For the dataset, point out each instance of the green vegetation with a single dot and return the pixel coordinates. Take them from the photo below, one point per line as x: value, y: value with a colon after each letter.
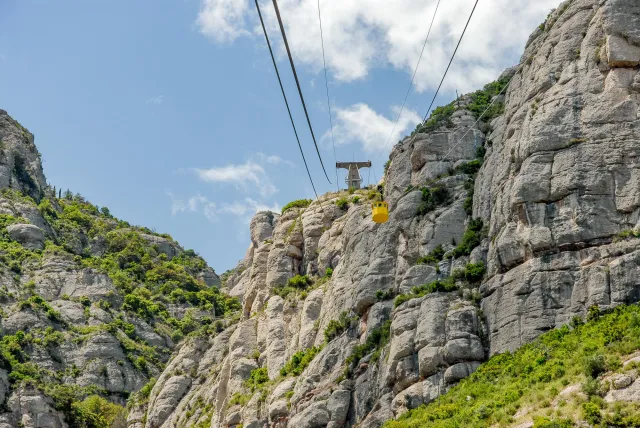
x: 533, y: 376
x: 481, y: 100
x: 444, y: 285
x: 147, y: 282
x: 342, y: 203
x: 387, y: 164
x: 375, y: 343
x: 300, y: 203
x: 336, y: 327
x: 257, y: 378
x: 472, y: 272
x: 440, y: 116
x: 384, y: 295
x: 299, y: 361
x: 433, y: 257
x: 472, y: 237
x: 626, y: 234
x: 432, y: 198
x: 295, y: 285
x: 239, y: 399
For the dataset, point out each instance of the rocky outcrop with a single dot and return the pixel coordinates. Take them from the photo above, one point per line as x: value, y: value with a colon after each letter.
x: 556, y: 188
x: 559, y: 181
x: 20, y: 161
x: 30, y: 236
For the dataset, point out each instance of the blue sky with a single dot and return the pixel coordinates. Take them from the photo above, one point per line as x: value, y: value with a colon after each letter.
x: 168, y: 111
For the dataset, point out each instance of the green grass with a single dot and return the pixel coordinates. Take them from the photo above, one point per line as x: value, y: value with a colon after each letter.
x: 300, y: 203
x: 533, y: 375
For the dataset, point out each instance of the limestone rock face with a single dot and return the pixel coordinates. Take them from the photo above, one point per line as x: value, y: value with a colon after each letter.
x: 30, y: 236
x: 559, y: 181
x: 20, y: 162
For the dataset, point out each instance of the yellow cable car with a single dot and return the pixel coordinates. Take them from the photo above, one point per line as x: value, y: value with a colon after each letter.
x: 380, y: 211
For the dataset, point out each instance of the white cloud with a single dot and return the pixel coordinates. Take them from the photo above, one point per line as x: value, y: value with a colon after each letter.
x: 361, y: 124
x: 223, y: 20
x: 245, y: 177
x: 360, y: 35
x: 241, y: 210
x: 274, y: 159
x: 157, y: 100
x: 194, y: 204
x: 248, y: 206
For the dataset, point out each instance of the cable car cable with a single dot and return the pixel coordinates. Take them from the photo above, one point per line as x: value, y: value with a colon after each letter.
x: 326, y: 84
x: 446, y: 71
x: 450, y: 62
x: 495, y: 98
x: 411, y: 83
x: 295, y: 75
x: 285, y: 96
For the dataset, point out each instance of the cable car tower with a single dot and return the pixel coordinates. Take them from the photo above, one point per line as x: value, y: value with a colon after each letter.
x: 354, y: 179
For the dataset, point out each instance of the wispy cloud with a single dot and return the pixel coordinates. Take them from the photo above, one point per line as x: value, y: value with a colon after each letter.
x: 157, y: 100
x: 248, y: 206
x: 246, y: 177
x: 223, y: 20
x: 242, y: 210
x: 194, y: 204
x: 273, y: 159
x: 359, y: 123
x: 362, y: 35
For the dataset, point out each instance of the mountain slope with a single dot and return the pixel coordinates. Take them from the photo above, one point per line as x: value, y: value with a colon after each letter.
x: 91, y: 306
x: 499, y: 231
x: 587, y: 374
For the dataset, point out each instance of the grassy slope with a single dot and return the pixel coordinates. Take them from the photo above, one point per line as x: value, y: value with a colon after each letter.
x: 531, y: 378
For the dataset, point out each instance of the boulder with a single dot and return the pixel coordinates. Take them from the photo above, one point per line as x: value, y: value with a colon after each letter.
x: 31, y: 237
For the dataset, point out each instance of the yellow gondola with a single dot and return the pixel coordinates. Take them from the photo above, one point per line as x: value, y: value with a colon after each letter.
x: 380, y: 212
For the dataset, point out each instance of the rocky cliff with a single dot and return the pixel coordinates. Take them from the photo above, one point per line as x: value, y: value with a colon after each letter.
x: 514, y: 210
x: 92, y: 307
x: 495, y: 236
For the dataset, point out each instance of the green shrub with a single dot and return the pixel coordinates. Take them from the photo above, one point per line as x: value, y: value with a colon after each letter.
x: 384, y: 295
x: 591, y: 412
x: 445, y: 285
x: 472, y: 272
x: 542, y: 422
x: 471, y: 238
x: 342, y: 203
x: 257, y: 378
x: 239, y: 399
x: 625, y: 235
x: 377, y: 339
x: 432, y: 198
x: 594, y: 365
x: 299, y: 281
x: 328, y: 272
x: 336, y: 327
x: 300, y: 361
x: 481, y: 100
x: 300, y: 203
x: 355, y: 200
x: 593, y: 313
x: 433, y: 257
